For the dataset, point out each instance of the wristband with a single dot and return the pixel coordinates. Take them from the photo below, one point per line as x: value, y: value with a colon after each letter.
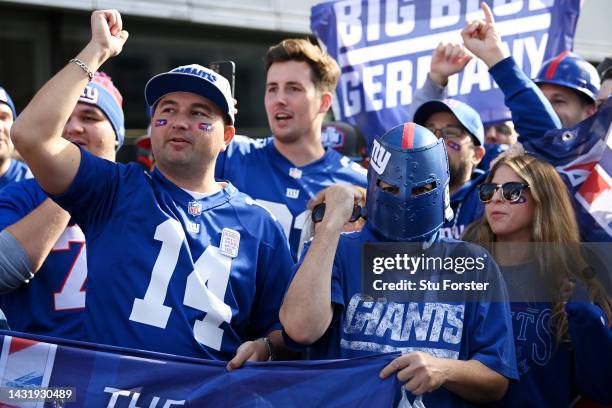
x: 270, y: 347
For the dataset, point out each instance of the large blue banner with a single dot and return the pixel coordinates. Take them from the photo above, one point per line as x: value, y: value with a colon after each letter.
x: 384, y: 51
x: 121, y: 378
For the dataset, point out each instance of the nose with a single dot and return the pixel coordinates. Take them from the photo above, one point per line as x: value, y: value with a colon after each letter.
x: 180, y: 122
x: 498, y: 196
x: 279, y: 97
x: 491, y: 135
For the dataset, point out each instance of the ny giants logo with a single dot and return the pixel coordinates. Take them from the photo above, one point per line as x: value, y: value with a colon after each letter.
x: 90, y: 95
x: 379, y: 158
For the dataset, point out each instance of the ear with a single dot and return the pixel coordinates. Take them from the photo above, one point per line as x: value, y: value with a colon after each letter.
x: 228, y: 134
x: 326, y: 101
x: 590, y: 110
x: 479, y: 153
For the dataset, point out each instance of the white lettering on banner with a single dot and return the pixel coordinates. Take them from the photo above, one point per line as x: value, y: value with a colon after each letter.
x: 445, y: 13
x: 476, y: 72
x: 391, y: 84
x: 373, y: 87
x: 363, y: 55
x: 349, y: 25
x: 351, y: 88
x: 399, y: 19
x: 135, y: 396
x: 354, y: 18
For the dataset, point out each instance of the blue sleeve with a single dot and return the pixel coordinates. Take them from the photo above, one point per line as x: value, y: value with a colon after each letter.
x: 18, y: 200
x: 274, y: 272
x: 491, y: 339
x: 532, y: 113
x: 592, y: 340
x: 91, y: 196
x: 230, y: 161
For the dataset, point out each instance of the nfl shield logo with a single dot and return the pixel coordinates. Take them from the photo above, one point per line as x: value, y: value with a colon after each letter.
x: 194, y: 208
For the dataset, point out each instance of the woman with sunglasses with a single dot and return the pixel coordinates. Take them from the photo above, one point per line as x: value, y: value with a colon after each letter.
x: 529, y: 225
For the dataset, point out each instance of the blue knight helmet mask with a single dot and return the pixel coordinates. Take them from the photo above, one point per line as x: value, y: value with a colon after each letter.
x: 408, y: 196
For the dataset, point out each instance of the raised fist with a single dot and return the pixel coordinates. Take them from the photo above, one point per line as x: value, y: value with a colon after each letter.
x: 107, y: 31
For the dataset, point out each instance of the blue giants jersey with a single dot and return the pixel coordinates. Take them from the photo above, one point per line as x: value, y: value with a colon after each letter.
x: 171, y: 273
x: 17, y: 171
x: 52, y: 303
x: 479, y: 330
x: 256, y: 168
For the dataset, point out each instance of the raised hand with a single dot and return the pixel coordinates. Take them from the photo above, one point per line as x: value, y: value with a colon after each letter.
x: 107, y: 32
x: 339, y: 202
x: 447, y: 60
x: 482, y: 39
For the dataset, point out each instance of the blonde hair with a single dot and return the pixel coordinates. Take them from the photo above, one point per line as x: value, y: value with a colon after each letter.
x: 554, y: 227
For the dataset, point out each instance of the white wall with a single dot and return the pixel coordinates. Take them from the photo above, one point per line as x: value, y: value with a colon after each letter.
x: 594, y: 32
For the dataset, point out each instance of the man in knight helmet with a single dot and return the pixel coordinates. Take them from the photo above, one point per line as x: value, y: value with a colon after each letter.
x: 327, y: 306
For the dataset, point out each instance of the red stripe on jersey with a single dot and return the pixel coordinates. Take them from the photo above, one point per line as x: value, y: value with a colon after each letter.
x: 550, y: 72
x: 408, y: 136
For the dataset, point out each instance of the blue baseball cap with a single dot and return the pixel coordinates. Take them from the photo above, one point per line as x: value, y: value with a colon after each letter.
x: 195, y: 79
x: 465, y: 114
x: 6, y: 99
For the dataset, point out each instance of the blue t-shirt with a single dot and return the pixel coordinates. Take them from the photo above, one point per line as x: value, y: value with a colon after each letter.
x: 479, y: 330
x: 258, y: 169
x: 548, y: 373
x: 51, y: 303
x: 172, y: 273
x: 17, y: 171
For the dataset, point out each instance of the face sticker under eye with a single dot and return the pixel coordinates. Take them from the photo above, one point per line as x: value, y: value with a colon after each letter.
x: 521, y: 200
x: 207, y: 127
x: 453, y: 145
x: 160, y: 122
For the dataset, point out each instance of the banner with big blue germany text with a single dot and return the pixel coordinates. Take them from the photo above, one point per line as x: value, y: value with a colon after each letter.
x: 87, y: 375
x: 384, y: 51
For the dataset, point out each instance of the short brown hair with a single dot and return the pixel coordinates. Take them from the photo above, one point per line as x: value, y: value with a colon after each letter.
x: 324, y: 69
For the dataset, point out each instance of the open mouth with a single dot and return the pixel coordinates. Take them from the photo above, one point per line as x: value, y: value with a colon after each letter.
x: 282, y: 116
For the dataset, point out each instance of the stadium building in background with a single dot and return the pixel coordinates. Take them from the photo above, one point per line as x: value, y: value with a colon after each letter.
x: 38, y: 37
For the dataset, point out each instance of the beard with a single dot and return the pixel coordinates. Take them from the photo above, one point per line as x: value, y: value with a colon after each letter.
x: 459, y: 173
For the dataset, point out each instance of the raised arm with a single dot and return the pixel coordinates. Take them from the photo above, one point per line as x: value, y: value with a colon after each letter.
x: 446, y: 60
x: 532, y: 113
x: 37, y: 132
x: 307, y: 310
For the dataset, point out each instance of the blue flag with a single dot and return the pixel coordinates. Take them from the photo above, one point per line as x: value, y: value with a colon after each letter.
x: 384, y: 51
x: 105, y: 376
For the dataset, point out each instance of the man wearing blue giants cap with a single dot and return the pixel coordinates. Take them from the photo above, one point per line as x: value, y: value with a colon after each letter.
x: 463, y: 133
x: 10, y: 169
x: 329, y: 307
x: 38, y: 240
x: 178, y: 263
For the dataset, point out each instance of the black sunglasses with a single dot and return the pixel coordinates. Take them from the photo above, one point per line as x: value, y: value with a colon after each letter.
x: 511, y: 191
x: 319, y: 211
